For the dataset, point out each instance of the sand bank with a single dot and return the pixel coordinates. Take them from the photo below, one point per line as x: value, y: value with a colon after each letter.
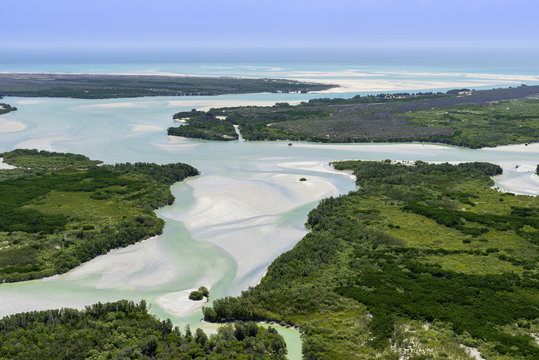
x: 178, y: 303
x: 381, y: 85
x: 532, y: 148
x: 146, y: 128
x: 11, y: 126
x: 205, y: 105
x: 411, y: 148
x: 39, y: 144
x: 315, y: 167
x: 116, y: 268
x: 242, y: 215
x: 30, y: 101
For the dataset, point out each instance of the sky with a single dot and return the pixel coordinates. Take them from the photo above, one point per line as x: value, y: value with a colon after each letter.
x: 28, y: 24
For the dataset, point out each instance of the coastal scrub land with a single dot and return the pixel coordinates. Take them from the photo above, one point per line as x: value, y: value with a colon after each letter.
x: 5, y: 108
x: 59, y: 210
x: 203, y: 125
x: 96, y: 86
x: 423, y: 261
x: 125, y: 330
x: 459, y: 117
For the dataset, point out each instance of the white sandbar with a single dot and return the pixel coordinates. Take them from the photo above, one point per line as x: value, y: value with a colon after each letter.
x: 117, y: 268
x: 11, y: 126
x: 241, y: 215
x: 146, y: 128
x: 178, y: 303
x: 39, y: 144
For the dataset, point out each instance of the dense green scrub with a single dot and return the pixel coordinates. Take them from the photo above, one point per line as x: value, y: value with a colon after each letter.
x: 93, y: 86
x: 125, y: 330
x: 474, y: 126
x: 203, y: 125
x: 474, y: 119
x: 421, y: 259
x: 5, y: 108
x: 62, y: 209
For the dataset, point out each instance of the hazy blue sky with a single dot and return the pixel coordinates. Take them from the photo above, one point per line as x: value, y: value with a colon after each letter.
x: 269, y: 23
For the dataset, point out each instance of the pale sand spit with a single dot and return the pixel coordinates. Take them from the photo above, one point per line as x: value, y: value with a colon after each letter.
x: 11, y: 126
x: 315, y: 167
x: 382, y: 85
x: 532, y: 148
x: 525, y: 185
x: 205, y: 105
x: 418, y: 148
x: 39, y: 144
x: 30, y: 101
x: 146, y: 128
x: 117, y: 268
x: 240, y: 215
x: 178, y: 303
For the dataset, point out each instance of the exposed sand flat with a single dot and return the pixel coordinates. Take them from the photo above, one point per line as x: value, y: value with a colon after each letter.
x: 178, y: 139
x: 11, y: 126
x: 222, y: 199
x: 14, y: 303
x: 146, y: 128
x: 205, y: 105
x: 115, y: 105
x: 178, y: 303
x: 4, y: 165
x: 240, y: 215
x: 30, y: 101
x: 367, y: 147
x: 315, y: 166
x: 178, y: 143
x: 530, y: 148
x: 39, y: 144
x: 525, y: 168
x: 461, y: 74
x: 526, y: 184
x: 116, y: 268
x: 370, y: 85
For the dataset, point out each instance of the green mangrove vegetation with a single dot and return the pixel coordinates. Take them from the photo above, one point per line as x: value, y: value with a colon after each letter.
x: 5, y: 108
x: 199, y: 294
x: 475, y: 126
x: 59, y: 210
x: 125, y: 330
x: 94, y: 86
x: 461, y: 117
x: 421, y: 262
x: 203, y: 125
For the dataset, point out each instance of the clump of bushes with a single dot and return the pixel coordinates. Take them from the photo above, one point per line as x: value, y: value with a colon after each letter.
x: 199, y: 294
